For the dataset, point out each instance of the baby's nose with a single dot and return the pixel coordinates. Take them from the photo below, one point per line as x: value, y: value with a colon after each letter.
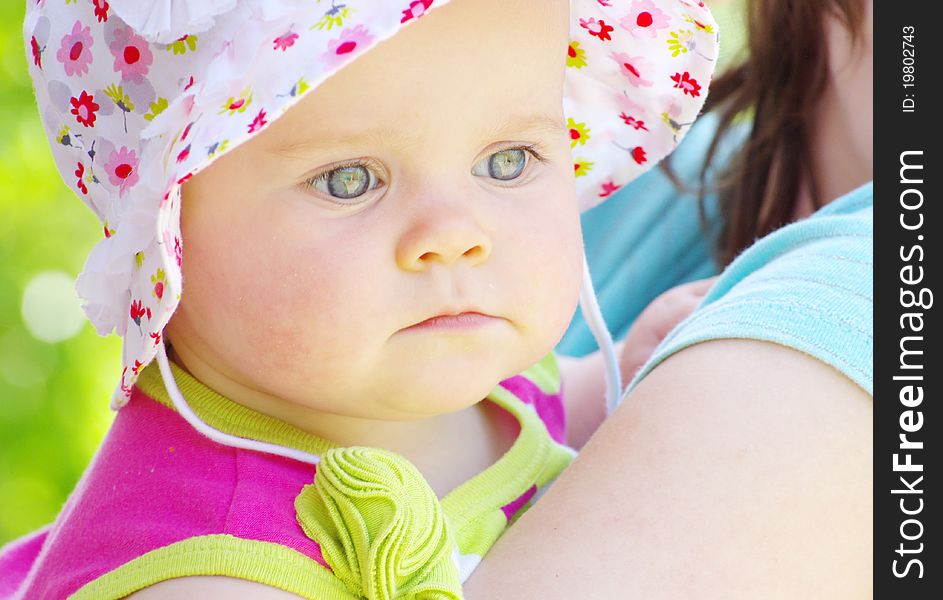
x: 443, y: 238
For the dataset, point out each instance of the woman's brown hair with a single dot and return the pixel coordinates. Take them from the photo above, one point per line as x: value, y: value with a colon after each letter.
x: 781, y: 81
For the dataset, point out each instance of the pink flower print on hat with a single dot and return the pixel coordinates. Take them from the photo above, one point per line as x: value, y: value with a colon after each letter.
x: 84, y: 108
x: 644, y: 18
x: 706, y: 27
x: 416, y: 9
x: 686, y: 83
x: 79, y: 173
x: 633, y: 122
x: 350, y: 41
x: 575, y: 56
x: 581, y: 167
x: 75, y: 50
x: 122, y: 169
x: 285, y: 41
x: 101, y: 10
x: 238, y: 104
x: 608, y: 188
x: 133, y: 56
x: 137, y: 366
x: 631, y: 67
x: 258, y: 122
x: 36, y: 51
x: 184, y: 154
x: 178, y: 252
x: 158, y: 280
x: 596, y: 28
x: 579, y: 133
x: 137, y: 311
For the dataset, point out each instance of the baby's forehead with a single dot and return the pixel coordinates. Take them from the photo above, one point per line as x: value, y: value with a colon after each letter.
x: 401, y: 95
x: 309, y: 139
x: 460, y: 51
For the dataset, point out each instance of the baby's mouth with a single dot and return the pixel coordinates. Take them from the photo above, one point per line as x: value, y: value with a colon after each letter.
x: 460, y: 321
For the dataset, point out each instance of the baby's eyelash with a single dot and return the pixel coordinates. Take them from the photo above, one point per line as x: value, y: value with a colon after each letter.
x: 531, y: 149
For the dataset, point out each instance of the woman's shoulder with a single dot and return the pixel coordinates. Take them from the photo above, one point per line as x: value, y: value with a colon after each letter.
x: 807, y: 286
x: 753, y: 454
x: 858, y: 203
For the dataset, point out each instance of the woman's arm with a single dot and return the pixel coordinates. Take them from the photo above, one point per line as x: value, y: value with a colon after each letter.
x: 735, y: 469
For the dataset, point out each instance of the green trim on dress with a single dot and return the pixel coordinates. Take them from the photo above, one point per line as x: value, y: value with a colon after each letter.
x: 268, y: 563
x: 359, y: 515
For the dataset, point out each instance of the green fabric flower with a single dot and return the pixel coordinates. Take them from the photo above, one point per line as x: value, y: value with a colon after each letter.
x: 380, y: 526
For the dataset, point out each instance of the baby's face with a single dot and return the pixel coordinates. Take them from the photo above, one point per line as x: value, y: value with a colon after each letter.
x: 430, y: 176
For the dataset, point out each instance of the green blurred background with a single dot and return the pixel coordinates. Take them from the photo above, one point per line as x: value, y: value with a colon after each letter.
x: 56, y: 373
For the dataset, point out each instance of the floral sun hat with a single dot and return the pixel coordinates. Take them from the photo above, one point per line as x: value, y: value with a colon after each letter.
x: 136, y: 97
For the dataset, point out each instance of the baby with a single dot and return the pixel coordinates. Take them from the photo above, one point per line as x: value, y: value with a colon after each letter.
x: 381, y: 224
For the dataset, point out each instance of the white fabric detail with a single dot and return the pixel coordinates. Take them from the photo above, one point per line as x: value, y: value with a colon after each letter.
x: 466, y: 563
x: 214, y: 434
x: 593, y: 315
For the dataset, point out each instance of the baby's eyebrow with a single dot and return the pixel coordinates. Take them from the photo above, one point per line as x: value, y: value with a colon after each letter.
x: 518, y: 124
x: 539, y: 122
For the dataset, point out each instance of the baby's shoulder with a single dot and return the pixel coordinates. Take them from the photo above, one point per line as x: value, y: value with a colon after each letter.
x: 161, y: 502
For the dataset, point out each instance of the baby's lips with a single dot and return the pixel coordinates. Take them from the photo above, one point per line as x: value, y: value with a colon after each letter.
x: 449, y: 312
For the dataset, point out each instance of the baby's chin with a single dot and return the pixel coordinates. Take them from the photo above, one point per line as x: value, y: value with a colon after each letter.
x: 414, y: 376
x: 420, y: 393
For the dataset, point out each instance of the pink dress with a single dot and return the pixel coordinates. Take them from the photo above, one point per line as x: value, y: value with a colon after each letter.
x: 159, y: 500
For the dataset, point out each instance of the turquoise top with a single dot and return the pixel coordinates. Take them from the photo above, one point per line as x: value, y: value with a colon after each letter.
x: 808, y: 286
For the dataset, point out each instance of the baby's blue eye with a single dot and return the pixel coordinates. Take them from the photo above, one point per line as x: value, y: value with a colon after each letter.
x: 347, y: 182
x: 503, y: 165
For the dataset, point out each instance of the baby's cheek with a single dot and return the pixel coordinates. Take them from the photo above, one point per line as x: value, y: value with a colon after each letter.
x: 258, y: 283
x: 288, y: 314
x: 555, y: 253
x: 312, y: 314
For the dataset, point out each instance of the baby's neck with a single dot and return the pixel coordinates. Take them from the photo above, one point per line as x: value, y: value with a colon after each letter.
x: 448, y: 449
